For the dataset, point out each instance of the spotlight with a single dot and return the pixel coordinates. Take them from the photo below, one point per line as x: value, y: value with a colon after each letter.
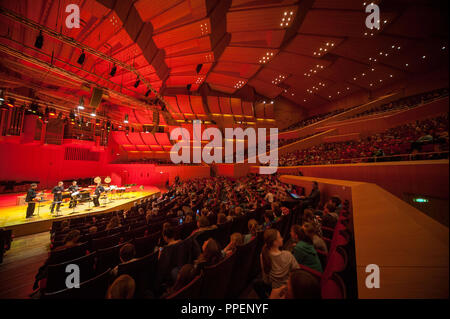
x: 198, y: 68
x: 113, y: 70
x: 81, y: 104
x: 52, y: 112
x: 11, y: 103
x: 126, y: 118
x: 93, y: 113
x: 147, y: 93
x: 39, y: 40
x: 81, y: 58
x: 97, y: 122
x: 137, y: 83
x: 2, y: 95
x: 34, y: 108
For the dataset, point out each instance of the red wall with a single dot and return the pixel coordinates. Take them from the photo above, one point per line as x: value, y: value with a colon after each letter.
x: 150, y: 174
x: 44, y: 163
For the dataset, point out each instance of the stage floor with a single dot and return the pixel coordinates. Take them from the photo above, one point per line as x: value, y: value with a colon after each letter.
x: 13, y: 216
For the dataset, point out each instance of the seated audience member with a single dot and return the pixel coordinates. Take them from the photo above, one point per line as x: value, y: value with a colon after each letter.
x: 309, y: 217
x: 329, y: 217
x: 185, y: 275
x: 203, y: 225
x: 318, y: 242
x: 161, y: 241
x: 275, y: 264
x: 221, y: 219
x: 126, y: 254
x: 313, y: 199
x: 71, y: 239
x: 268, y: 219
x: 123, y: 287
x: 188, y: 219
x: 304, y: 251
x: 301, y: 285
x: 252, y: 230
x: 236, y: 239
x: 93, y: 230
x: 114, y: 222
x: 210, y: 255
x: 168, y: 238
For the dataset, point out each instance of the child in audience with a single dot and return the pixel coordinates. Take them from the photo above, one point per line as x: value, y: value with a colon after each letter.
x: 304, y: 251
x: 275, y: 264
x: 252, y: 230
x: 235, y: 240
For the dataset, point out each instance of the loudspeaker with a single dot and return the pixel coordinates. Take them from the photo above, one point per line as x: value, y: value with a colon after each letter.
x: 96, y: 97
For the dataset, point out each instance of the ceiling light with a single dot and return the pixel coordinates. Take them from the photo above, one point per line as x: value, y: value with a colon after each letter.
x: 81, y: 58
x: 81, y: 104
x: 113, y: 70
x: 39, y: 40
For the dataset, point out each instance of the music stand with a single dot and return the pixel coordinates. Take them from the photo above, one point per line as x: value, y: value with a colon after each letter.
x: 105, y: 198
x: 89, y: 204
x: 39, y: 205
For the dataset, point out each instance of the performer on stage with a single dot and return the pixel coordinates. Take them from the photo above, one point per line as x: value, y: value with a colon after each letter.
x: 73, y: 199
x: 31, y: 195
x: 98, y: 190
x: 57, y: 197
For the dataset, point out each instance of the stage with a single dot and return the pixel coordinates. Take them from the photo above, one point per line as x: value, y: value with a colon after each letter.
x: 12, y: 216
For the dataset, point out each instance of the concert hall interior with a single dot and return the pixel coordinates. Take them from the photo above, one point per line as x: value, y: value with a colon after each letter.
x: 224, y: 149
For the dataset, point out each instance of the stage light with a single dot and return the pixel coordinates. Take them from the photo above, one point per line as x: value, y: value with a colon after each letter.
x: 148, y: 93
x: 97, y: 122
x: 11, y: 103
x: 81, y: 104
x: 52, y: 112
x: 126, y: 118
x: 420, y: 200
x: 137, y: 83
x: 39, y: 40
x: 2, y: 95
x: 188, y: 87
x: 93, y: 114
x: 81, y: 58
x: 198, y: 68
x: 113, y: 70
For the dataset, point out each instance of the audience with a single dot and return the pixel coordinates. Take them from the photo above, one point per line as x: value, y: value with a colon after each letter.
x: 304, y: 251
x: 404, y: 139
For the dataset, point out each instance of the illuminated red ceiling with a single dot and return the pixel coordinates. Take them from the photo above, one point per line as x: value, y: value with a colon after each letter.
x: 311, y: 52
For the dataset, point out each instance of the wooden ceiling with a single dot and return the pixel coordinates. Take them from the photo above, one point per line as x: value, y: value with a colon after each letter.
x: 311, y: 52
